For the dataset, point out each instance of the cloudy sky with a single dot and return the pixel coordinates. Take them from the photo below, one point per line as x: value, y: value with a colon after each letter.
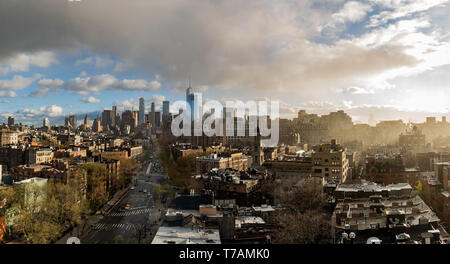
x: 385, y: 58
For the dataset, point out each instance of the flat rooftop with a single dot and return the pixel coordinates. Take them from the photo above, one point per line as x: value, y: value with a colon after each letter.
x: 183, y: 235
x: 372, y: 187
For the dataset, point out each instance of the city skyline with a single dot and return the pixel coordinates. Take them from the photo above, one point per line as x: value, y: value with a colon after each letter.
x: 362, y: 57
x: 224, y: 122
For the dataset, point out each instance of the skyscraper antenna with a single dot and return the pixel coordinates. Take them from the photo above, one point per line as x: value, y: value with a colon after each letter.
x: 189, y: 82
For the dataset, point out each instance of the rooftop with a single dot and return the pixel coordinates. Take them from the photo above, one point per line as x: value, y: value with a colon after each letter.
x: 372, y: 187
x: 182, y: 235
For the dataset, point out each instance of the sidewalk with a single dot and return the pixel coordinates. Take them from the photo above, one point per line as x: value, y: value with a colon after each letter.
x: 93, y: 219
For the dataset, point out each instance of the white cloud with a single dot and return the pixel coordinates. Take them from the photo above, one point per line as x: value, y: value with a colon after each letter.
x: 51, y: 83
x: 396, y: 9
x: 16, y: 83
x: 90, y: 100
x: 136, y: 85
x: 51, y: 111
x: 21, y: 62
x: 8, y: 94
x: 96, y: 84
x: 127, y: 104
x: 46, y: 86
x: 90, y: 84
x: 352, y: 11
x: 43, y: 59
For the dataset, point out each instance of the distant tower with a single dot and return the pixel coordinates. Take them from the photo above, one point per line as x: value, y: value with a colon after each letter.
x: 153, y: 117
x: 73, y: 121
x: 166, y: 108
x: 10, y: 121
x: 45, y: 122
x: 141, y: 117
x: 87, y: 121
x: 97, y: 125
x: 190, y: 99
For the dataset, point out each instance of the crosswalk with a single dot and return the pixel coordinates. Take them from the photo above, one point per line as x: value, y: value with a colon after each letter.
x: 131, y: 212
x: 106, y: 227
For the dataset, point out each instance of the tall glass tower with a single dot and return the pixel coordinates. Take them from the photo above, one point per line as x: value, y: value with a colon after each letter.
x: 166, y: 106
x: 141, y: 116
x: 190, y: 99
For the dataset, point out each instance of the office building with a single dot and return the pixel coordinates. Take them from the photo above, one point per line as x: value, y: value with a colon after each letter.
x: 330, y: 162
x: 166, y: 108
x: 45, y: 122
x: 10, y: 121
x: 141, y: 111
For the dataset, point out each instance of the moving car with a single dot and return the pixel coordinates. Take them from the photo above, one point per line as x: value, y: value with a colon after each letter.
x: 127, y: 207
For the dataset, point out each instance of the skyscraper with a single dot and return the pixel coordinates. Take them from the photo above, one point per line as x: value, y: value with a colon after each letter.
x: 153, y: 118
x: 166, y: 108
x: 157, y: 120
x: 87, y: 121
x: 10, y: 121
x: 96, y: 125
x: 166, y: 117
x: 152, y: 107
x: 190, y: 97
x: 45, y: 122
x: 73, y: 121
x: 109, y: 118
x: 141, y: 111
x: 129, y: 118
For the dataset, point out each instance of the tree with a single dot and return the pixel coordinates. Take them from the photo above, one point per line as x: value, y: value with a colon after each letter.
x: 133, y: 240
x: 96, y: 194
x: 118, y: 239
x: 126, y: 170
x: 303, y: 219
x: 419, y: 186
x: 156, y: 192
x: 310, y: 227
x: 64, y: 204
x: 42, y: 215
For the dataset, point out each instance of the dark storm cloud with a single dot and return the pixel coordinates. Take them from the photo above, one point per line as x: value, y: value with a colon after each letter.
x: 256, y: 44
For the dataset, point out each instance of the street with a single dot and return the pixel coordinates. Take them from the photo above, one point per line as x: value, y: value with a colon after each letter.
x: 136, y: 217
